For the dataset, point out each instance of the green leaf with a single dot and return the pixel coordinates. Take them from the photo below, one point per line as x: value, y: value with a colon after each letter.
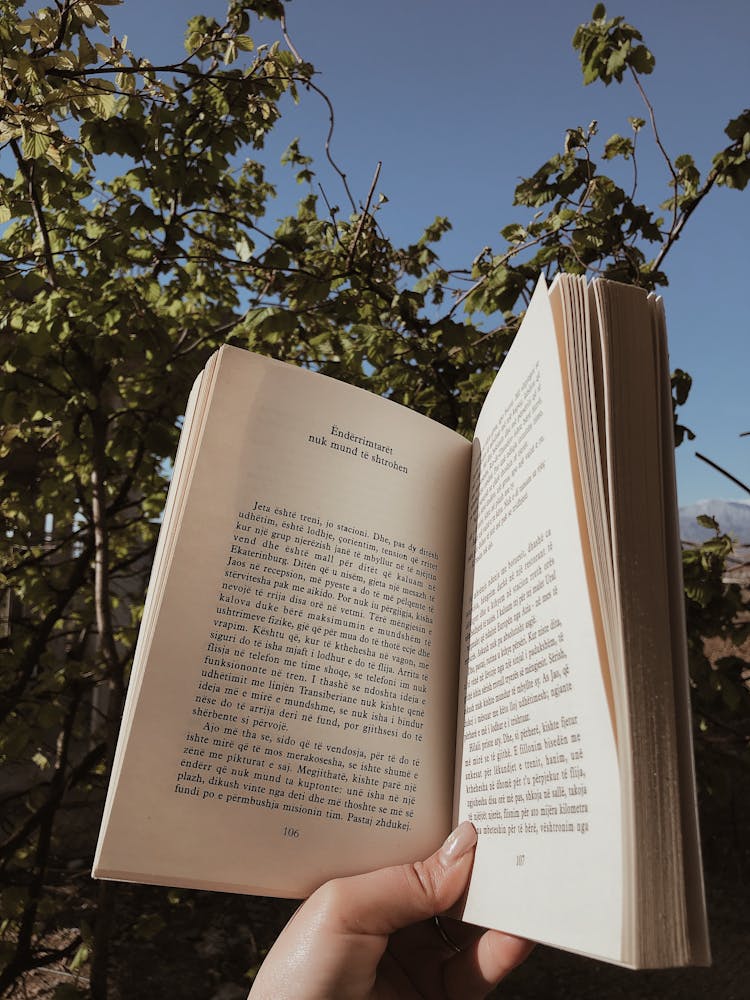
x: 104, y: 105
x: 641, y: 59
x: 681, y: 385
x: 739, y: 127
x: 618, y: 145
x: 126, y: 82
x: 243, y: 248
x: 706, y: 521
x: 35, y: 143
x: 80, y: 958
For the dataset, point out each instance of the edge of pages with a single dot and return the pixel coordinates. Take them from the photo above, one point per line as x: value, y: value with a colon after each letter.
x: 697, y: 919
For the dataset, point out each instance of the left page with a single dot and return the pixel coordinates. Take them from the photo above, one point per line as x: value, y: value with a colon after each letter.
x: 294, y: 714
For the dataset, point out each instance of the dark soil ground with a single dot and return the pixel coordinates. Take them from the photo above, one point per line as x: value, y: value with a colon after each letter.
x: 205, y: 946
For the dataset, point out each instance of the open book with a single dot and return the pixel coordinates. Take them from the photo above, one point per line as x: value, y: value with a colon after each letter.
x: 362, y: 628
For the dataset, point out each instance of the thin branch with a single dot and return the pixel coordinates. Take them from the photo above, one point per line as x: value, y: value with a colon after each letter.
x: 40, y: 960
x: 365, y: 215
x: 81, y: 75
x: 724, y: 472
x: 676, y: 231
x: 128, y: 480
x: 287, y: 39
x: 635, y: 168
x: 64, y: 10
x: 33, y: 377
x: 499, y: 263
x: 48, y: 553
x: 657, y: 138
x: 27, y: 170
x: 331, y: 117
x: 25, y: 670
x: 332, y: 214
x: 331, y: 125
x: 139, y: 556
x: 76, y: 774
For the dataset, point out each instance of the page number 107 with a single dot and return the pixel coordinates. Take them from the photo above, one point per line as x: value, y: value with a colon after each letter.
x: 520, y: 860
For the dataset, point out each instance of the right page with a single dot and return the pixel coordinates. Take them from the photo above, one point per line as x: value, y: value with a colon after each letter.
x: 537, y: 772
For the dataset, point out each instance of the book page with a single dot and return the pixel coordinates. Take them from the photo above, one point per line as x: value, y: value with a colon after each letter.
x: 698, y: 946
x: 297, y: 704
x: 538, y: 774
x: 182, y: 467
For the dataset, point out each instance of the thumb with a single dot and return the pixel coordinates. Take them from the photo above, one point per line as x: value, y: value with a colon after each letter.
x: 383, y: 901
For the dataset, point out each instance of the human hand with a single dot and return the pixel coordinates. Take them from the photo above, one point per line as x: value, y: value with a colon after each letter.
x: 373, y: 937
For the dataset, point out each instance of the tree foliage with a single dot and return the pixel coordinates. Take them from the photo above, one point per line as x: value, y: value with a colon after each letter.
x: 133, y: 242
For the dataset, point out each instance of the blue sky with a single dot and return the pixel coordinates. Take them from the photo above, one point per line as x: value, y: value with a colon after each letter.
x: 459, y: 100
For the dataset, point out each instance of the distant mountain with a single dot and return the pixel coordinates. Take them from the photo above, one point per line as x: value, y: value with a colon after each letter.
x: 733, y: 517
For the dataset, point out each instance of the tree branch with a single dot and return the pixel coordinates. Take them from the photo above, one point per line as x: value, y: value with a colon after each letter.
x: 80, y: 771
x: 42, y: 631
x: 724, y: 472
x: 331, y: 116
x: 676, y: 231
x: 365, y: 215
x: 23, y: 957
x: 657, y: 138
x: 27, y: 170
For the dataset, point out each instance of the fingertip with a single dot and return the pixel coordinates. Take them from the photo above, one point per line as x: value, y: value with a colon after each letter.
x: 458, y: 844
x: 499, y: 953
x: 484, y: 964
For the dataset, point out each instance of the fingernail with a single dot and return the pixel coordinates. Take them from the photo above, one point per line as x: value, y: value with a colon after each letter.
x: 460, y: 842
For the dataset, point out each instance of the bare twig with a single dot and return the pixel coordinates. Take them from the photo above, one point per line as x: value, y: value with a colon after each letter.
x: 331, y: 117
x: 329, y: 156
x: 287, y: 39
x: 331, y: 210
x: 724, y: 472
x: 657, y: 139
x: 48, y: 806
x: 42, y: 632
x: 365, y: 215
x: 676, y: 232
x: 498, y: 264
x: 27, y: 171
